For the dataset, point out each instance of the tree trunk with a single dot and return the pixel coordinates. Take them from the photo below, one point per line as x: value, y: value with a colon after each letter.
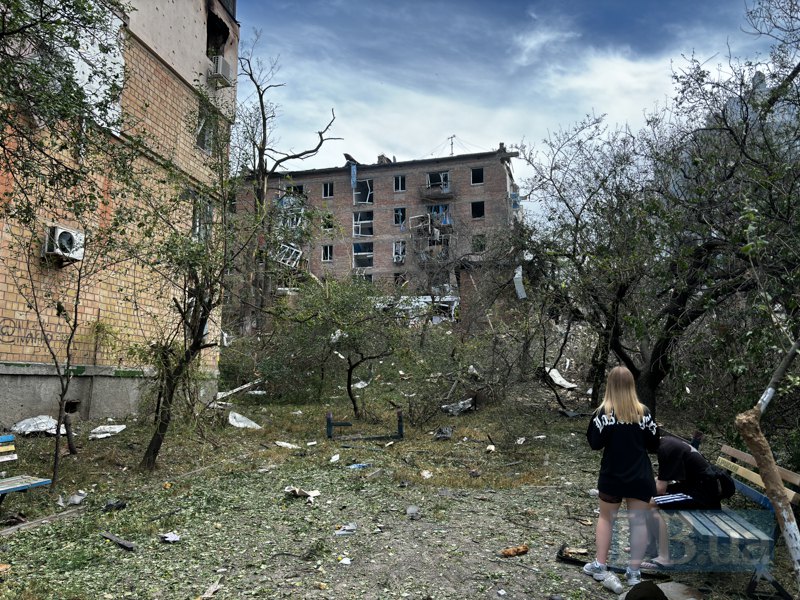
x: 350, y: 368
x: 748, y: 424
x: 164, y: 417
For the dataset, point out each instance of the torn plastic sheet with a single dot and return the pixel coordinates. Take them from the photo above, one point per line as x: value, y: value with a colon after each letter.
x: 104, y: 431
x: 238, y: 420
x: 519, y: 287
x: 170, y: 537
x: 287, y: 445
x: 348, y: 529
x: 560, y: 381
x: 457, y: 408
x: 296, y: 492
x: 40, y: 424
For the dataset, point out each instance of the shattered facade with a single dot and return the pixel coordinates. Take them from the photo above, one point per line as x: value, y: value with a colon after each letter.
x: 410, y: 223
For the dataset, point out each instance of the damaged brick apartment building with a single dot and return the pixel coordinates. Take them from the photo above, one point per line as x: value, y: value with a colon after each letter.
x: 412, y: 223
x: 165, y: 51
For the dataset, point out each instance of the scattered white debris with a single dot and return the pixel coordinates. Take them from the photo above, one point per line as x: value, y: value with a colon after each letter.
x: 387, y: 444
x: 241, y: 388
x: 594, y: 493
x: 501, y: 592
x: 299, y: 493
x: 312, y: 443
x: 339, y: 354
x: 338, y: 335
x: 297, y: 413
x: 348, y: 529
x: 426, y: 474
x: 287, y: 445
x: 688, y: 391
x: 73, y: 500
x: 104, y: 431
x: 540, y: 437
x: 473, y: 371
x: 360, y: 385
x: 335, y: 458
x: 40, y: 424
x: 490, y: 448
x: 220, y: 405
x: 559, y: 380
x: 457, y: 408
x: 238, y: 420
x: 345, y: 560
x: 520, y: 441
x: 170, y: 537
x: 256, y: 393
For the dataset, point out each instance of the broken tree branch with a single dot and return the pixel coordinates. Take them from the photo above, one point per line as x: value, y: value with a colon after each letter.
x: 748, y: 424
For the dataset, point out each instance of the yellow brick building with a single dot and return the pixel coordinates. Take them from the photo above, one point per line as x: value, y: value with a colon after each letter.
x: 168, y: 49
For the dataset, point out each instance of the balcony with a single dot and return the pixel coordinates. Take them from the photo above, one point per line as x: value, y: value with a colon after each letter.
x: 435, y: 192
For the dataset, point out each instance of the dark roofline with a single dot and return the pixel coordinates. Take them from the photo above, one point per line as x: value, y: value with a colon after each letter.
x: 503, y: 155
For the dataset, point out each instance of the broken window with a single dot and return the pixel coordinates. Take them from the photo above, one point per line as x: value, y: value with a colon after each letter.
x: 327, y: 253
x: 362, y: 223
x: 288, y: 254
x: 478, y: 210
x: 400, y: 216
x: 439, y: 180
x: 479, y: 243
x: 207, y: 123
x: 362, y: 255
x: 399, y: 252
x: 477, y: 176
x: 399, y: 183
x: 440, y: 214
x: 295, y: 190
x: 362, y: 193
x: 327, y: 189
x: 328, y: 220
x: 400, y: 279
x: 216, y: 35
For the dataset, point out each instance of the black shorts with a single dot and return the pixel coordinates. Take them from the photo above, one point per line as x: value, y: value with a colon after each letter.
x: 609, y: 498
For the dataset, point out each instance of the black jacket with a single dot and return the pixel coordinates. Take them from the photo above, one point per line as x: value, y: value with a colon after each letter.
x: 625, y: 468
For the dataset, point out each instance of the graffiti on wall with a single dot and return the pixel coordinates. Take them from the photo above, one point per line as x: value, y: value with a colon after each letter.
x: 19, y: 332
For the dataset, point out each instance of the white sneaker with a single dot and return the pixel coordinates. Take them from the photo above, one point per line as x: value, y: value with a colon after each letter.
x: 596, y: 570
x: 633, y: 577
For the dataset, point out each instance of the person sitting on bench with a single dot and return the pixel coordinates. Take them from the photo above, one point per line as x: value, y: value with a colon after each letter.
x: 685, y: 481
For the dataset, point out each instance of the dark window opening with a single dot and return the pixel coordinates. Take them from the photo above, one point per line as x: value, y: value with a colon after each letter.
x: 477, y: 176
x: 400, y: 216
x: 439, y: 180
x: 478, y: 210
x: 363, y: 192
x: 216, y: 35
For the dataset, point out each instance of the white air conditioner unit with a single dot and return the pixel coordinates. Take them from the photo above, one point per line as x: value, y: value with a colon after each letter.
x: 220, y: 71
x: 63, y: 243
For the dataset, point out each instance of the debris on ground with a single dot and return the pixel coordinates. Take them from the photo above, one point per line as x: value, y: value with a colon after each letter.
x: 170, y: 537
x: 413, y: 513
x: 296, y: 492
x: 105, y: 431
x: 40, y: 424
x: 238, y: 420
x: 560, y: 381
x: 348, y: 529
x: 114, y: 505
x: 73, y: 499
x: 287, y: 445
x: 515, y: 550
x: 124, y: 544
x: 460, y: 407
x: 443, y: 433
x: 241, y: 388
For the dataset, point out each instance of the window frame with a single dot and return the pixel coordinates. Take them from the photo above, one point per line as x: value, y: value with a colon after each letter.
x: 472, y: 176
x: 400, y: 210
x: 327, y: 189
x: 326, y: 255
x: 370, y: 199
x: 359, y: 224
x: 368, y: 254
x: 482, y: 204
x: 399, y: 183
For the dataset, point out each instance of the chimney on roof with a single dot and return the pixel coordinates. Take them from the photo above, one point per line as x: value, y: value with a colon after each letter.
x: 383, y: 159
x: 502, y: 147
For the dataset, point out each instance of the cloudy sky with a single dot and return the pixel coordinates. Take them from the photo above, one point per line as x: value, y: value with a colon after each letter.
x: 404, y: 76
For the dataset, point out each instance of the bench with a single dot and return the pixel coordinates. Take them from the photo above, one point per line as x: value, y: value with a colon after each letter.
x: 742, y: 465
x: 18, y: 483
x: 733, y: 540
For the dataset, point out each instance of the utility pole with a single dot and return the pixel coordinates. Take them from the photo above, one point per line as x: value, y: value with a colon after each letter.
x: 451, y: 143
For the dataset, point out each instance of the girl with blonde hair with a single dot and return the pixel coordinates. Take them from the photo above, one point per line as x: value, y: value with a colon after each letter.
x: 623, y: 428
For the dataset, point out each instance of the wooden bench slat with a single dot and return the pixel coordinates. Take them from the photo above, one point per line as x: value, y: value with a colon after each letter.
x: 697, y: 524
x: 21, y: 482
x: 753, y: 477
x: 7, y: 448
x: 788, y: 476
x: 6, y: 438
x: 8, y: 457
x: 734, y: 532
x: 752, y: 528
